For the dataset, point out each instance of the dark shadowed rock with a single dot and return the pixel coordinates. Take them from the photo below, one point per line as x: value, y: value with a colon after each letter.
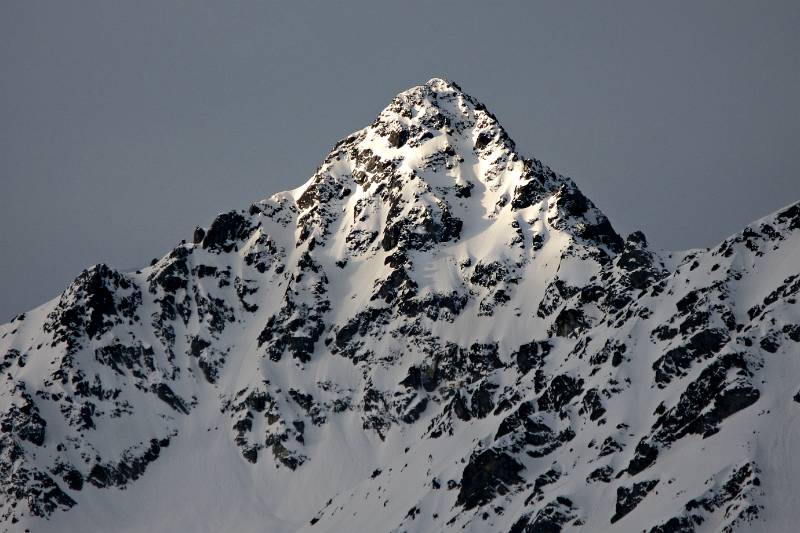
x: 629, y: 497
x: 487, y: 474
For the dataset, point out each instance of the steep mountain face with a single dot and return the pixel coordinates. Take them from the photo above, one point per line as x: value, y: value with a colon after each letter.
x: 434, y: 333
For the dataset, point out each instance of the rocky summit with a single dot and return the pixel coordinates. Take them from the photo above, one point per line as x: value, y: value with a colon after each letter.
x: 433, y: 333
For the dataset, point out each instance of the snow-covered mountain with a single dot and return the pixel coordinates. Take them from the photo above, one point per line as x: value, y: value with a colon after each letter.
x: 434, y: 333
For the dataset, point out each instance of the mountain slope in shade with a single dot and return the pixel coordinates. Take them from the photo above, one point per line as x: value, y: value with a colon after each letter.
x: 434, y: 333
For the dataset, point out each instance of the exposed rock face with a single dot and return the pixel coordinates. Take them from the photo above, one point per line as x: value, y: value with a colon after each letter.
x: 434, y: 333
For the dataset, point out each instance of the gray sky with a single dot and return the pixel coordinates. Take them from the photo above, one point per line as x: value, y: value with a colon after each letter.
x: 125, y: 124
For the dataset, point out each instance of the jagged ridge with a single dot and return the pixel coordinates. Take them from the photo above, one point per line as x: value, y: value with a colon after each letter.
x: 432, y: 333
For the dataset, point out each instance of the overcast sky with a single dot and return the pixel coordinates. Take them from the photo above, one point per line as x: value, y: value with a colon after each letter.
x: 125, y: 124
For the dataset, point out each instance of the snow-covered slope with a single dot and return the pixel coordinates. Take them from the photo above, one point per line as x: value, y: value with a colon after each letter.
x: 434, y: 333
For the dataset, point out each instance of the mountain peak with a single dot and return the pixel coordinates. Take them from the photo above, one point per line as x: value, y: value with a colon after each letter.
x: 434, y: 87
x: 438, y: 152
x: 439, y: 84
x: 441, y: 105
